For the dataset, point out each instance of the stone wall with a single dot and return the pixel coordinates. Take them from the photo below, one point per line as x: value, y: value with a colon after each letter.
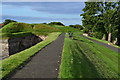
x: 19, y: 44
x: 4, y: 52
x: 15, y: 45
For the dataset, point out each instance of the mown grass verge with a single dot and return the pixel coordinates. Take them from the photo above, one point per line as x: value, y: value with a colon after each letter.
x: 82, y: 58
x: 14, y: 61
x: 104, y: 41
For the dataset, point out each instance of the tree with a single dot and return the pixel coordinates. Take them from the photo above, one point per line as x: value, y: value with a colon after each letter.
x: 89, y: 15
x: 102, y: 19
x: 118, y: 23
x: 7, y: 21
x: 109, y: 18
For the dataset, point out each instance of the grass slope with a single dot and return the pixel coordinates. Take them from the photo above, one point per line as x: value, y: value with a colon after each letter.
x: 14, y: 61
x: 104, y: 41
x: 15, y: 29
x: 38, y: 29
x: 83, y: 58
x: 65, y: 28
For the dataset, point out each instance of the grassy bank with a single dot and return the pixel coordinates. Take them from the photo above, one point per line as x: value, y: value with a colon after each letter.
x: 65, y: 28
x: 14, y: 35
x: 16, y: 27
x: 104, y: 41
x: 83, y: 58
x: 14, y: 61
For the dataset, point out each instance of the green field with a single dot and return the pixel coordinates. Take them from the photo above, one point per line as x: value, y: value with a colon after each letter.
x: 82, y: 58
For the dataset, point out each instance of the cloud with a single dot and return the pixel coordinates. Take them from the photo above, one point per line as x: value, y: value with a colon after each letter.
x: 52, y: 7
x: 27, y: 19
x: 35, y: 18
x: 44, y: 0
x: 32, y: 12
x: 60, y: 8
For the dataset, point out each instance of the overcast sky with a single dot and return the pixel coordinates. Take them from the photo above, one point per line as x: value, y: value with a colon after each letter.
x: 43, y: 12
x: 59, y: 0
x: 43, y: 0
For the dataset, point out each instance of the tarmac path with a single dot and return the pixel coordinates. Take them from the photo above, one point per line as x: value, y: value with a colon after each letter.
x: 45, y: 64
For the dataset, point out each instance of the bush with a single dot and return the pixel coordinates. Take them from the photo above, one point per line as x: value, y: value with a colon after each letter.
x: 7, y: 21
x: 98, y: 35
x: 56, y: 23
x: 85, y: 30
x: 77, y: 26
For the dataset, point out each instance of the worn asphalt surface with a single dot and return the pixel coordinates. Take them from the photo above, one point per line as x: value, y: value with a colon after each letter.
x: 104, y: 44
x: 45, y: 64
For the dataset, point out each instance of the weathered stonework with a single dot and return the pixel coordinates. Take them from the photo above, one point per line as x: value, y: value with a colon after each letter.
x: 19, y: 44
x: 4, y: 52
x: 15, y: 45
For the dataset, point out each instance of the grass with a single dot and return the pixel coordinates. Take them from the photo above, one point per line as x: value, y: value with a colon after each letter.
x: 82, y: 58
x: 14, y: 61
x: 104, y: 41
x: 44, y: 28
x: 15, y: 29
x: 37, y: 29
x: 65, y: 28
x: 14, y: 35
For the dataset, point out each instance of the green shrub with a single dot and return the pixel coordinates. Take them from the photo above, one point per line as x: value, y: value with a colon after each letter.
x: 85, y: 30
x: 77, y: 26
x: 98, y: 35
x: 56, y: 23
x: 7, y: 21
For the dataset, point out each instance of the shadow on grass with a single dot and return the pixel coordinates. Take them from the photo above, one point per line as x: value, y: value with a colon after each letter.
x: 82, y: 40
x: 82, y: 67
x: 78, y: 40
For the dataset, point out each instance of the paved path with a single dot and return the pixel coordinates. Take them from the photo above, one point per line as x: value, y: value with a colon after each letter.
x: 104, y: 44
x: 45, y: 63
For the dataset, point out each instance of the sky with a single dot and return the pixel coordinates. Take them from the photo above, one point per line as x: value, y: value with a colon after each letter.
x: 59, y: 0
x: 43, y: 0
x: 43, y: 12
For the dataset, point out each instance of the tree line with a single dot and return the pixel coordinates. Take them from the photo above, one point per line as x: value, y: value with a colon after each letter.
x: 102, y: 20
